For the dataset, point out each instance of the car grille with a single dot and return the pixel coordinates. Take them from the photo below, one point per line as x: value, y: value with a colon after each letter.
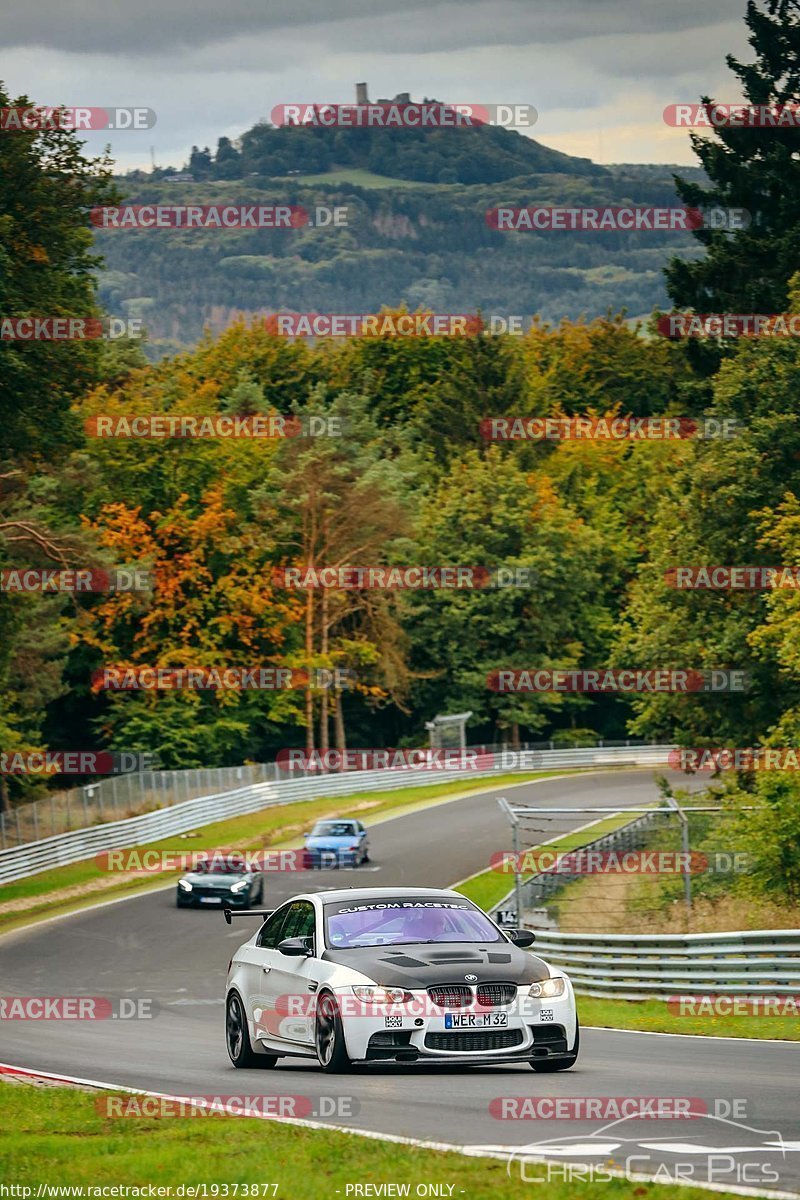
x: 451, y: 995
x: 209, y: 891
x: 495, y: 995
x: 474, y: 1039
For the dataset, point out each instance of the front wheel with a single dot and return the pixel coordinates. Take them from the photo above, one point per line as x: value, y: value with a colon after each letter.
x: 237, y: 1038
x: 329, y: 1036
x: 547, y: 1066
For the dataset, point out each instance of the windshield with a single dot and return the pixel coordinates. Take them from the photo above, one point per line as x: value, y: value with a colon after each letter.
x: 221, y: 866
x: 405, y: 921
x: 333, y: 829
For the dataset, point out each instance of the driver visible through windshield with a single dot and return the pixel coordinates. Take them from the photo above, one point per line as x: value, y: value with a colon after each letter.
x: 405, y: 921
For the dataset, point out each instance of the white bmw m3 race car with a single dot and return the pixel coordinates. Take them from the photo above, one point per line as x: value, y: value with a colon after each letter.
x: 360, y: 975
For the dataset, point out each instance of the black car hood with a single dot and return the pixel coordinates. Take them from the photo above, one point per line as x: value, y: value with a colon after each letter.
x: 414, y: 966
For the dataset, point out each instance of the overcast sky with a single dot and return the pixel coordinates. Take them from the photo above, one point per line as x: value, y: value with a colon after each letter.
x: 599, y: 72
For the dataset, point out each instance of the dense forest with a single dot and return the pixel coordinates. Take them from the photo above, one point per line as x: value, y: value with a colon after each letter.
x: 428, y: 246
x: 416, y: 232
x: 598, y: 525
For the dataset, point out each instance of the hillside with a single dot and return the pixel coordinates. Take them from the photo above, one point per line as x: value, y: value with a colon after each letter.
x: 411, y: 237
x: 461, y: 154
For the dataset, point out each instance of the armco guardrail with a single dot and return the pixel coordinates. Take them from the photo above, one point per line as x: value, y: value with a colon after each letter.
x: 33, y: 857
x: 119, y: 797
x: 19, y: 862
x: 637, y: 966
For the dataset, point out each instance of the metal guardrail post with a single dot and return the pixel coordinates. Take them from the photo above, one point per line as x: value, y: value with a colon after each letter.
x: 515, y: 846
x: 687, y: 878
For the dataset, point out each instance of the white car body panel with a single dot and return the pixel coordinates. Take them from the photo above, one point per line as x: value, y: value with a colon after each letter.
x: 279, y: 994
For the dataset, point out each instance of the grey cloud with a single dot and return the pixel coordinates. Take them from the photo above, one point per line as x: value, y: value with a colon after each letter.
x: 413, y: 26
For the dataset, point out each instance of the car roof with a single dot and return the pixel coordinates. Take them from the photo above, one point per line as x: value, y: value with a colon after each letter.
x: 336, y: 895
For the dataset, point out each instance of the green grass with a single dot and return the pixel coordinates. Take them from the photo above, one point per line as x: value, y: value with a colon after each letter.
x: 490, y: 887
x: 57, y: 1136
x: 654, y: 1016
x: 357, y: 175
x: 281, y: 826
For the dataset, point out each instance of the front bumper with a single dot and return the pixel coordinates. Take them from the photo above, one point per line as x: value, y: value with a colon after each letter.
x: 216, y: 900
x: 316, y: 858
x: 417, y: 1031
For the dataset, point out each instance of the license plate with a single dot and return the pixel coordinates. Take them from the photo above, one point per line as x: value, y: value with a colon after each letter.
x: 211, y: 900
x: 475, y: 1020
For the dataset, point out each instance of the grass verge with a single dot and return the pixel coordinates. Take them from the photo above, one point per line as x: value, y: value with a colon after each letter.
x: 56, y: 1136
x: 655, y: 1017
x: 66, y: 889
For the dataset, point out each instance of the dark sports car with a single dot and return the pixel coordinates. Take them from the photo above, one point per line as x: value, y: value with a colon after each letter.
x: 224, y: 882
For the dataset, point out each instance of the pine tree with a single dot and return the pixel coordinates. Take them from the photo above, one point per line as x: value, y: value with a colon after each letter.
x: 757, y: 169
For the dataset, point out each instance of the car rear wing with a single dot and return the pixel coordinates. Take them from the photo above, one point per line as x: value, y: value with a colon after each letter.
x: 247, y: 912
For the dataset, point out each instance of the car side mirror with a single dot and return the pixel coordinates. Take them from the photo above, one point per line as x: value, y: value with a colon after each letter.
x: 522, y: 937
x: 295, y: 947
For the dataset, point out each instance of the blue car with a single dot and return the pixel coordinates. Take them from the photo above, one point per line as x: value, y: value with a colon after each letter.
x: 336, y: 842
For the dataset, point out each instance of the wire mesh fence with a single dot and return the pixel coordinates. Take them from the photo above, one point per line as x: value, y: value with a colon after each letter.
x: 119, y: 797
x: 581, y: 869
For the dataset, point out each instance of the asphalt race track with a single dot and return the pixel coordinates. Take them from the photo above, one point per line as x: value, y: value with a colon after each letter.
x: 146, y: 949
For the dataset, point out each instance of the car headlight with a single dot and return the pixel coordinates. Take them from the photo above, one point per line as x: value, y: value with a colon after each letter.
x: 382, y: 995
x: 240, y: 886
x: 184, y: 885
x: 549, y: 987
